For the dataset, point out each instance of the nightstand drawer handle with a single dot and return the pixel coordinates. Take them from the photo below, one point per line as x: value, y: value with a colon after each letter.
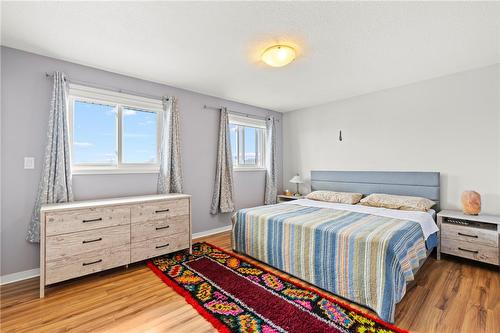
x: 92, y: 240
x: 472, y: 236
x: 160, y: 246
x: 91, y: 263
x: 468, y: 250
x: 162, y: 211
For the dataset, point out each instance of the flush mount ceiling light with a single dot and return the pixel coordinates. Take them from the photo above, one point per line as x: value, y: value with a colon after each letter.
x: 278, y: 55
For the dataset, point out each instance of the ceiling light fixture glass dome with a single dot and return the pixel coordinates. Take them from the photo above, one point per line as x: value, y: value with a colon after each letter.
x: 278, y: 55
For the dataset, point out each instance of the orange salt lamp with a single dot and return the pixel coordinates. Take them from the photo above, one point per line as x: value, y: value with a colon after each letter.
x: 471, y: 202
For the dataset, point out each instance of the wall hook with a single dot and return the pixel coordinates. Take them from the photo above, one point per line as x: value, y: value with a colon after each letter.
x: 340, y: 135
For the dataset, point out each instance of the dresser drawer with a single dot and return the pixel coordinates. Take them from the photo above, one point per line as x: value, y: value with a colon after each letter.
x: 157, y: 246
x: 466, y: 249
x: 86, y: 263
x: 71, y: 244
x: 469, y: 234
x: 85, y: 219
x: 159, y: 210
x: 159, y: 228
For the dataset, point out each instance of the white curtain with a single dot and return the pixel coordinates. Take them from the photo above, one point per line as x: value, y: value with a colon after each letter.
x: 55, y: 181
x: 170, y: 175
x: 222, y: 197
x: 271, y: 175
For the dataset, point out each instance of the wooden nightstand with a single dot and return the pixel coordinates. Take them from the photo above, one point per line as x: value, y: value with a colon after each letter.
x: 283, y: 198
x: 474, y: 237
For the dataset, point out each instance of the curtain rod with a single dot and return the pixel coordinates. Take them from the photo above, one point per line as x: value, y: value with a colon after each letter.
x: 248, y: 115
x: 97, y: 86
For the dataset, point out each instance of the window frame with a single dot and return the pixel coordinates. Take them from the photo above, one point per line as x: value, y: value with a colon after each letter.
x: 119, y: 101
x: 260, y: 146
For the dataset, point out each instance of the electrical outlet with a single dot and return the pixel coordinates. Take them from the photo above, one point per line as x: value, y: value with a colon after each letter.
x: 29, y: 162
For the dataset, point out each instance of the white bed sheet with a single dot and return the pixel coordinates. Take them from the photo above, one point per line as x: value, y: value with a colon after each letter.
x: 425, y: 219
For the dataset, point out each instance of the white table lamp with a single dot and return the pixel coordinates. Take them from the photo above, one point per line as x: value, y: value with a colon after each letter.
x: 296, y: 180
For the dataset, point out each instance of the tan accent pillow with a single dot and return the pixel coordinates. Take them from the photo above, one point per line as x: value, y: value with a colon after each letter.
x: 401, y: 202
x: 338, y: 197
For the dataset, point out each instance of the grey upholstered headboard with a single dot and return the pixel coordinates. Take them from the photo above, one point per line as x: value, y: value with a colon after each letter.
x: 422, y: 184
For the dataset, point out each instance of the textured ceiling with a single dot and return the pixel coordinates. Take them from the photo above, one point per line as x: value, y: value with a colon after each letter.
x: 345, y: 48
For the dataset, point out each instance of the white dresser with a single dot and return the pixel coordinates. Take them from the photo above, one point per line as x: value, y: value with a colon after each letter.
x: 85, y: 237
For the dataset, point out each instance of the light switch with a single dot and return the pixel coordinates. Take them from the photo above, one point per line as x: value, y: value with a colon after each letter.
x: 29, y: 162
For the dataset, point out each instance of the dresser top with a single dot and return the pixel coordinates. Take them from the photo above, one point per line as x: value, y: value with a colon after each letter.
x: 494, y: 219
x: 112, y: 201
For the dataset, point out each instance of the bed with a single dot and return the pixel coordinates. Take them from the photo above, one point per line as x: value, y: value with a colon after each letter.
x: 364, y: 254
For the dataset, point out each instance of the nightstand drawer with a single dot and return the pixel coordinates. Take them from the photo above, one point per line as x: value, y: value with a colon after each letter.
x: 470, y: 250
x: 470, y: 234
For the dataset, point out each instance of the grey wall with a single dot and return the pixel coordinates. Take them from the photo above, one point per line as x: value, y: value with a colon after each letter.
x: 25, y: 95
x: 449, y: 124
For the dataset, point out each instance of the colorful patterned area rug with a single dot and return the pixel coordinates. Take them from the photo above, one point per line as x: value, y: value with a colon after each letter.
x: 237, y: 296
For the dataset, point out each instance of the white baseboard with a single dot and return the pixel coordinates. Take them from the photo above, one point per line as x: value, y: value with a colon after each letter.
x: 14, y: 277
x: 19, y: 276
x: 211, y: 232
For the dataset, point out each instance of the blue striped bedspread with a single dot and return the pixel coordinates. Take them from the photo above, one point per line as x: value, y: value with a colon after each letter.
x: 367, y: 259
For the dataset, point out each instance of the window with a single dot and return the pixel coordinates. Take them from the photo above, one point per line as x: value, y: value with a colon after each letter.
x: 247, y: 137
x: 113, y: 132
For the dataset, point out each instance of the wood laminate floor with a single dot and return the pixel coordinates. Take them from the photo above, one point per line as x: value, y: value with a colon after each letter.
x: 450, y: 295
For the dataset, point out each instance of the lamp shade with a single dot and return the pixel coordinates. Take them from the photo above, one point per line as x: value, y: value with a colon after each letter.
x: 296, y: 180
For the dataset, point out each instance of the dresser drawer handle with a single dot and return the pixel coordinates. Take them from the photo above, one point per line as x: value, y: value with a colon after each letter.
x: 91, y: 263
x: 471, y: 251
x: 92, y: 240
x: 160, y: 246
x: 472, y: 236
x: 162, y: 211
x: 93, y: 220
x: 165, y: 227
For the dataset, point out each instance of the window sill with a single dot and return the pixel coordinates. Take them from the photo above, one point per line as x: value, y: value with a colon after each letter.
x: 249, y: 169
x: 112, y: 171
